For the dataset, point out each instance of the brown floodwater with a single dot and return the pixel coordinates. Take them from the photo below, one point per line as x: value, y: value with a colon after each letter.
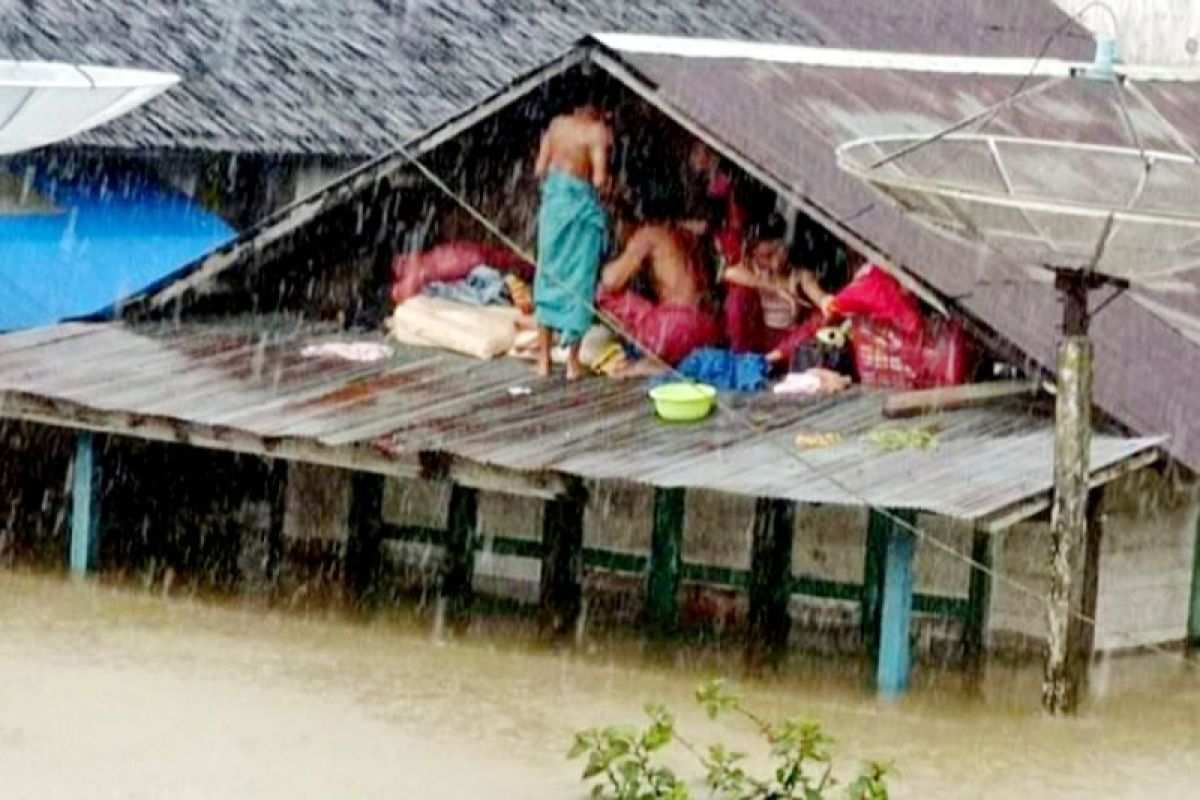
x: 113, y: 693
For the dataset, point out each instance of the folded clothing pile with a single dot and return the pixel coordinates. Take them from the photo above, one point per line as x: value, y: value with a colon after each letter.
x: 481, y: 331
x: 813, y: 382
x: 726, y: 370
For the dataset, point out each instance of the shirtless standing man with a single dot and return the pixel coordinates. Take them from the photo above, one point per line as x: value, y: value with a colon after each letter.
x: 678, y: 323
x: 572, y: 230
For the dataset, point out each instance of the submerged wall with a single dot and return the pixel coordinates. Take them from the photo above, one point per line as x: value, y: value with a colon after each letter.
x: 1145, y: 576
x: 215, y: 521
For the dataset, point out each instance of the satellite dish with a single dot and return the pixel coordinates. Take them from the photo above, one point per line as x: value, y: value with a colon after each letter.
x: 46, y: 102
x: 1126, y: 213
x: 1100, y: 204
x: 1115, y: 203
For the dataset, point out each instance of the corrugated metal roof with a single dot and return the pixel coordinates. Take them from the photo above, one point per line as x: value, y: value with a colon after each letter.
x: 351, y: 78
x: 243, y: 379
x: 787, y: 119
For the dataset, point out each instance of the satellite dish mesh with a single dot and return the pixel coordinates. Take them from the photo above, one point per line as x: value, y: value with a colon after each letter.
x: 1122, y: 206
x: 1047, y: 203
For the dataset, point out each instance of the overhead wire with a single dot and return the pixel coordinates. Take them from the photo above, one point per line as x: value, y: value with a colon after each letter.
x: 733, y: 414
x: 888, y: 514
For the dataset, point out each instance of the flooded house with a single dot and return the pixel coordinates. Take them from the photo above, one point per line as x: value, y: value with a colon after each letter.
x: 207, y: 419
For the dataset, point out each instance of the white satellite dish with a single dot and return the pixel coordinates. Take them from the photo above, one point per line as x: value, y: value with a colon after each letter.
x: 46, y: 102
x: 1043, y: 203
x: 1088, y: 207
x: 1121, y: 210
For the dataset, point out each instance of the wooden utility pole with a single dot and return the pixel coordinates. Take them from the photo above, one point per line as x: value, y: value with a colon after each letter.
x: 1069, y: 520
x: 1193, y: 642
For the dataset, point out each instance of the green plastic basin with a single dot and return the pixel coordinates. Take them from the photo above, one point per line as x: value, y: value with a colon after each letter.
x: 683, y: 402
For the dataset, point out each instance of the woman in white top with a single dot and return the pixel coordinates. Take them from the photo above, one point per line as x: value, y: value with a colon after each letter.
x: 771, y: 307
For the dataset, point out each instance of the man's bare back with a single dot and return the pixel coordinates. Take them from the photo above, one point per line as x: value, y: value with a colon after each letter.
x: 577, y: 144
x: 669, y: 250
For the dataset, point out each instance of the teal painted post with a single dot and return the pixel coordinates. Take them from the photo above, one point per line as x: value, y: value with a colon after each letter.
x: 666, y: 560
x: 85, y: 507
x: 979, y: 599
x: 872, y: 588
x: 458, y: 571
x: 895, y: 625
x: 770, y: 585
x: 1194, y: 615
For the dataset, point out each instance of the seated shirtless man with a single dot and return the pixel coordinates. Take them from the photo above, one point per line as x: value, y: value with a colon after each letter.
x: 677, y: 322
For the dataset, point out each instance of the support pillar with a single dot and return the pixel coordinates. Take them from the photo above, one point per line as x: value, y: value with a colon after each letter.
x: 561, y: 595
x: 85, y: 506
x: 458, y: 570
x: 979, y: 600
x: 771, y: 577
x: 894, y: 660
x: 1069, y: 517
x: 260, y: 551
x: 1193, y: 634
x: 666, y: 560
x: 363, y: 539
x: 872, y: 589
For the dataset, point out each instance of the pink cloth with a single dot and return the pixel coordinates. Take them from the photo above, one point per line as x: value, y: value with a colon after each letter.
x: 671, y: 332
x: 450, y: 262
x: 749, y: 334
x: 876, y: 296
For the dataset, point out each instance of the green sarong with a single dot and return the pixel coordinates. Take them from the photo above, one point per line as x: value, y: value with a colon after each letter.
x: 572, y: 233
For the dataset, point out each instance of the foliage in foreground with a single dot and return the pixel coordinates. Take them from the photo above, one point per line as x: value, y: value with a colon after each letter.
x: 621, y: 762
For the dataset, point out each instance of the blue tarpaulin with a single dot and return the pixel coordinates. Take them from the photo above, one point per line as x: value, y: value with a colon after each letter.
x: 90, y: 240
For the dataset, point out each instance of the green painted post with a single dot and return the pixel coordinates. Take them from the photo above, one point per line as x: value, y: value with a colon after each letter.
x: 770, y: 585
x: 458, y: 571
x: 666, y: 560
x: 1194, y: 615
x: 561, y: 595
x: 979, y: 598
x: 895, y: 615
x: 872, y: 588
x: 85, y: 507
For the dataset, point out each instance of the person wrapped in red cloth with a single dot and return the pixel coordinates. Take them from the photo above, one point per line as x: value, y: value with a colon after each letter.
x: 894, y: 345
x: 771, y: 307
x: 676, y: 321
x: 451, y: 262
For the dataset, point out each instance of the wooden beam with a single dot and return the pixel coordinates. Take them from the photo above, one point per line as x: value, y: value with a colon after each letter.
x: 666, y: 560
x: 895, y: 610
x: 1007, y: 517
x: 349, y: 186
x: 561, y: 593
x: 770, y: 585
x: 979, y: 599
x: 355, y: 457
x: 927, y: 401
x: 85, y: 506
x: 458, y: 567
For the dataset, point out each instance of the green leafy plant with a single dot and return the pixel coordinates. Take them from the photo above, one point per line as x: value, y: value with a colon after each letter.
x: 892, y: 440
x: 621, y: 758
x: 621, y: 762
